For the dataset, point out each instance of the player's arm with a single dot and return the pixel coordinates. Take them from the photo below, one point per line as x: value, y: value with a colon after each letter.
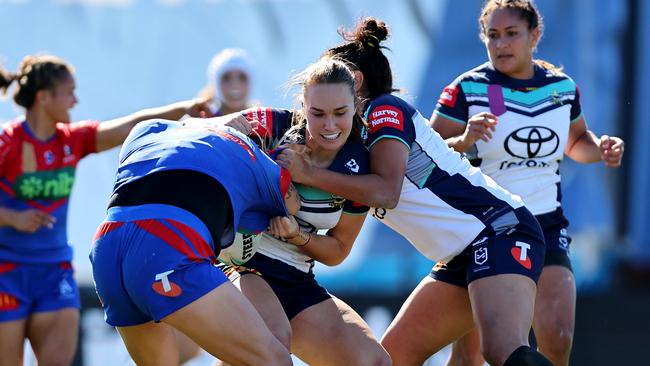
x: 27, y: 221
x: 381, y: 188
x: 460, y: 136
x: 113, y: 132
x: 584, y: 146
x: 331, y: 248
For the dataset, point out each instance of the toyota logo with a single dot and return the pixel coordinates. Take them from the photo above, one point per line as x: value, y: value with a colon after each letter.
x: 532, y: 142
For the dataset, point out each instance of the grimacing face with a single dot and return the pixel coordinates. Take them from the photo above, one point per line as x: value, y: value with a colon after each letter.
x: 330, y: 110
x: 510, y: 43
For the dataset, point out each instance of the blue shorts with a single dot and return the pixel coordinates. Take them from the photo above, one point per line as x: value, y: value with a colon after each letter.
x: 27, y: 288
x: 518, y: 250
x: 554, y: 225
x: 151, y: 260
x: 295, y: 289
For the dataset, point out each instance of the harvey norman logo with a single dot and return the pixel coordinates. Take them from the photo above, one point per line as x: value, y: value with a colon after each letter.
x: 386, y: 116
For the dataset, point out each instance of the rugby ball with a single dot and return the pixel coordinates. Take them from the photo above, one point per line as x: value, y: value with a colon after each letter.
x: 241, y: 249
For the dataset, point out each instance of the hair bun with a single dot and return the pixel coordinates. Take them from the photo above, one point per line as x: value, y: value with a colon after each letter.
x: 372, y: 32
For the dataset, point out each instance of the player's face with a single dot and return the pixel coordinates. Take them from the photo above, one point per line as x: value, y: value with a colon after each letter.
x: 234, y: 88
x: 510, y: 43
x: 60, y: 100
x: 330, y: 113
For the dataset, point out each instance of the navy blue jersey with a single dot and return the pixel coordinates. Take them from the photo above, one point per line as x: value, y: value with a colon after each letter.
x: 535, y: 116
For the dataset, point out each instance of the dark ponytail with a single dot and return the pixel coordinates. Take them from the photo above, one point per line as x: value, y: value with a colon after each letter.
x: 363, y: 51
x: 35, y: 73
x: 6, y: 78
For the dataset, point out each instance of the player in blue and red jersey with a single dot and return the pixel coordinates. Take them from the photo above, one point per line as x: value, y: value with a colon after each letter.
x: 182, y: 191
x: 38, y: 154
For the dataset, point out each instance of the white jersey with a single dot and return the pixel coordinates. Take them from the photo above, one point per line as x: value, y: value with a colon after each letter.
x: 528, y: 145
x: 319, y: 210
x: 445, y: 202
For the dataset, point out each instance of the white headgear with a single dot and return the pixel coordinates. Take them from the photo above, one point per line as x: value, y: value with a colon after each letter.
x: 227, y: 60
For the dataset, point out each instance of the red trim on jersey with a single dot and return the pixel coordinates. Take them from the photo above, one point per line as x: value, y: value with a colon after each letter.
x: 7, y: 266
x: 49, y: 208
x: 105, y: 228
x: 157, y: 229
x: 7, y: 189
x: 285, y: 181
x: 449, y: 96
x: 265, y: 118
x: 8, y: 302
x: 65, y: 265
x: 386, y: 116
x: 199, y: 243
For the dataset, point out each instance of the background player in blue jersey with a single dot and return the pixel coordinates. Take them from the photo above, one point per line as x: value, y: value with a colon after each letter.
x: 449, y: 210
x: 317, y: 327
x: 38, y: 156
x: 153, y: 255
x: 517, y: 117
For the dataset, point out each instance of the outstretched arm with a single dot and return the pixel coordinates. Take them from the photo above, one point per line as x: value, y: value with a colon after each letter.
x: 113, y: 132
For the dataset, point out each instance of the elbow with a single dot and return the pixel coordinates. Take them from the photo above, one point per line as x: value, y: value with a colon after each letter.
x: 331, y: 262
x: 389, y: 200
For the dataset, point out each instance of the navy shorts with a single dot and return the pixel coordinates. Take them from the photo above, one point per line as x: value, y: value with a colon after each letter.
x: 27, y: 288
x: 554, y: 225
x: 518, y: 250
x: 296, y: 290
x: 151, y: 260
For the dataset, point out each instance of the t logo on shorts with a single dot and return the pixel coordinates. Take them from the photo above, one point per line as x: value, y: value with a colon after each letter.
x: 166, y: 287
x: 520, y: 254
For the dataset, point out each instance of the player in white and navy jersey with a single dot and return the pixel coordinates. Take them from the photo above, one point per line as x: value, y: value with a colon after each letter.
x: 317, y: 327
x: 449, y: 210
x: 516, y: 118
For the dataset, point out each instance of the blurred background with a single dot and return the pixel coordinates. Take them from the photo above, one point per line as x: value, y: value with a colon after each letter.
x: 131, y: 54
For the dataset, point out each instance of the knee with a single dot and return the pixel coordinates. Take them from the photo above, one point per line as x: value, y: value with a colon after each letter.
x: 284, y: 336
x: 400, y: 354
x: 555, y: 341
x: 276, y: 356
x: 493, y: 352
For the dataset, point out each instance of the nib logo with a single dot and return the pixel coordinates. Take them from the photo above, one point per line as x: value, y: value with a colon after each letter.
x: 520, y: 254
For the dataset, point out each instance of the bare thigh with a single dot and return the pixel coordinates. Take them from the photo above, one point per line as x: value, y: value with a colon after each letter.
x: 503, y: 308
x: 225, y: 324
x: 260, y: 294
x: 332, y: 333
x: 435, y: 314
x: 53, y: 335
x: 12, y: 338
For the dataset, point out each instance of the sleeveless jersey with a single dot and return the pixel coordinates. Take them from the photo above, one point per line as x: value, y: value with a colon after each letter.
x: 37, y: 174
x: 444, y: 202
x: 253, y: 181
x: 319, y: 210
x: 527, y: 147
